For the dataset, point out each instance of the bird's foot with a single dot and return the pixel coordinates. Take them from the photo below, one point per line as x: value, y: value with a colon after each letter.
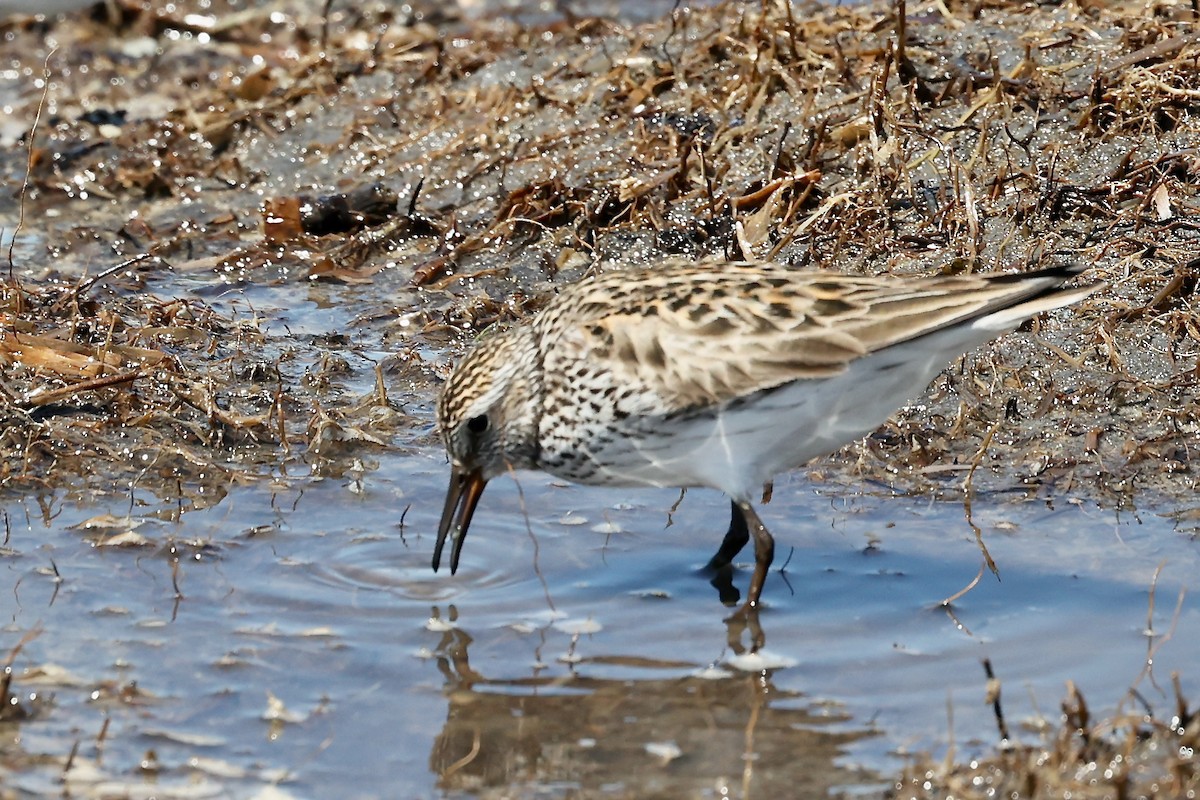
x: 721, y: 578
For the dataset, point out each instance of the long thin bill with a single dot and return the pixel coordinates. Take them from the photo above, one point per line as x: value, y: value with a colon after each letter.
x: 461, y: 498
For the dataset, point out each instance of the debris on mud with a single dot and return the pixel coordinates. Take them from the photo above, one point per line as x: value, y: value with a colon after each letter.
x: 1132, y: 755
x: 247, y: 242
x: 462, y: 168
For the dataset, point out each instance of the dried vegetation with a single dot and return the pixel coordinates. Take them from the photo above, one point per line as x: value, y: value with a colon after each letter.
x: 432, y: 175
x: 1131, y: 755
x: 463, y: 167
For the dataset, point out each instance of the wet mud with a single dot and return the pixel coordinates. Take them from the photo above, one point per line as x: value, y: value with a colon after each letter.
x: 243, y: 244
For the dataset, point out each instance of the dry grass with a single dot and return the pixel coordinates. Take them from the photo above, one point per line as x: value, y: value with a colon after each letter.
x: 992, y: 135
x: 462, y: 169
x: 1128, y: 756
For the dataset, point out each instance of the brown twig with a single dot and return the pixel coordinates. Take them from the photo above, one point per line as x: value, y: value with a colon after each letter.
x: 37, y: 398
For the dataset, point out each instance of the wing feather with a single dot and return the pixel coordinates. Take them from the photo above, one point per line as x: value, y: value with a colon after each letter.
x: 697, y: 336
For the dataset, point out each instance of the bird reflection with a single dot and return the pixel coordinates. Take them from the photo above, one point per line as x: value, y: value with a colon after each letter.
x: 742, y: 622
x: 591, y: 727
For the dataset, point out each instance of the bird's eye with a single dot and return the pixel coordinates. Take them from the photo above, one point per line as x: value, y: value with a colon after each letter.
x: 478, y: 424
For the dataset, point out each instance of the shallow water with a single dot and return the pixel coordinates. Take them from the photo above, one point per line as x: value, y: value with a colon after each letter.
x: 580, y: 651
x: 289, y: 639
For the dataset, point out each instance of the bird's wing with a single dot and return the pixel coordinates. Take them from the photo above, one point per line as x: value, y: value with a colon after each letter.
x: 698, y: 338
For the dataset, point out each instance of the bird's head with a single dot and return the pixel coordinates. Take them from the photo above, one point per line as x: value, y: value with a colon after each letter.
x: 488, y: 416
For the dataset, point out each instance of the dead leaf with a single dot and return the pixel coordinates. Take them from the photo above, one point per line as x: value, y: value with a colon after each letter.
x: 1162, y: 203
x: 281, y: 220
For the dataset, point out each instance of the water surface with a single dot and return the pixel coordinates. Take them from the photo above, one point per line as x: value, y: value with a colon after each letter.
x: 313, y: 651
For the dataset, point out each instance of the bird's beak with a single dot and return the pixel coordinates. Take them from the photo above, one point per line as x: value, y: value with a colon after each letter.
x: 466, y: 487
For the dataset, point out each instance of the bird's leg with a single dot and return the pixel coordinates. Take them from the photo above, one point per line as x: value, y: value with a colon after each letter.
x: 764, y: 554
x: 735, y: 539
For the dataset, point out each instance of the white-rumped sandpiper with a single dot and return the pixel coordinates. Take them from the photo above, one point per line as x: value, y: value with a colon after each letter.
x: 718, y: 375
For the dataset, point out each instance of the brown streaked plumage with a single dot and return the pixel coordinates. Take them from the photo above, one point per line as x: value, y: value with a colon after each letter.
x: 718, y: 375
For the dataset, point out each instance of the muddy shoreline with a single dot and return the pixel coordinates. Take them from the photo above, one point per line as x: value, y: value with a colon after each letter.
x: 252, y: 240
x: 1006, y: 138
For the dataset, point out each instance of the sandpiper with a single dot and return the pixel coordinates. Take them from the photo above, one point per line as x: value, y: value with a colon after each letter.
x: 717, y: 375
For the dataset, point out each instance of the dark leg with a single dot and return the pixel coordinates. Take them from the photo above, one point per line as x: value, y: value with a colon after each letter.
x: 764, y: 554
x: 735, y: 539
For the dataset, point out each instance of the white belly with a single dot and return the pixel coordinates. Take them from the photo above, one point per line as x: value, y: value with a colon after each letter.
x: 738, y: 446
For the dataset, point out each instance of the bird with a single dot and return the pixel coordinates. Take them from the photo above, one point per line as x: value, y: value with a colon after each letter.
x: 720, y: 375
